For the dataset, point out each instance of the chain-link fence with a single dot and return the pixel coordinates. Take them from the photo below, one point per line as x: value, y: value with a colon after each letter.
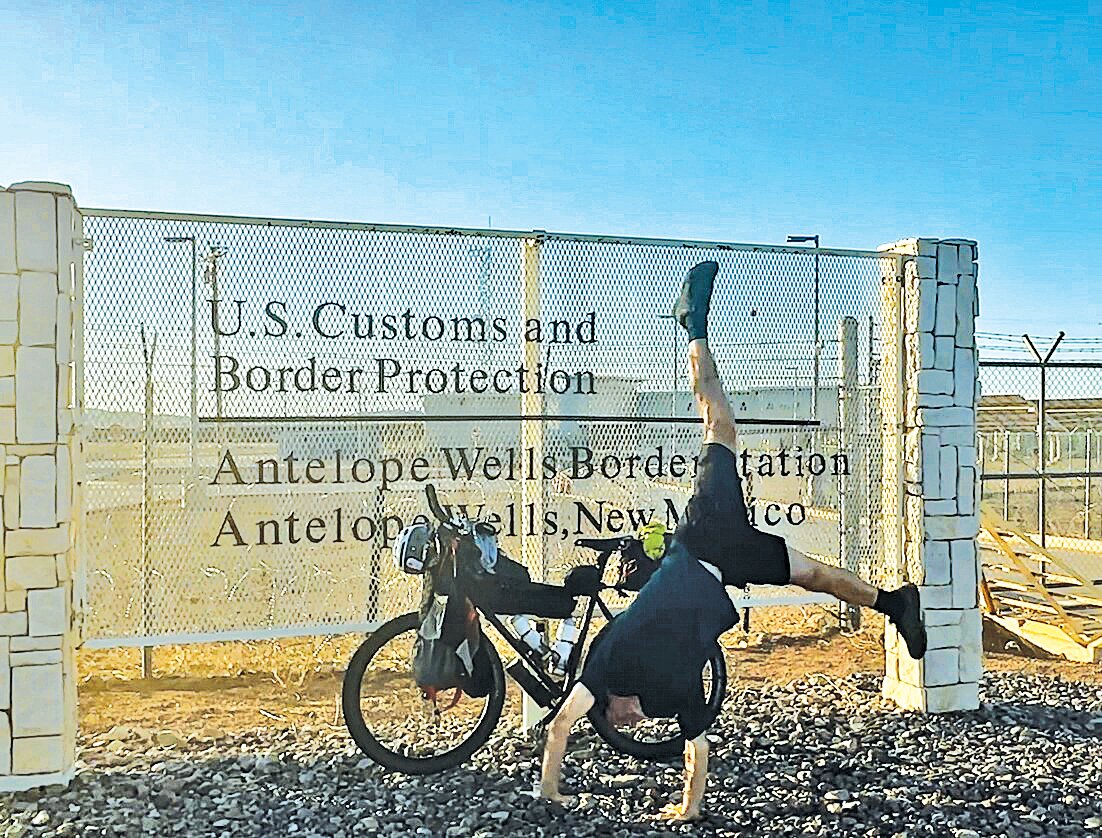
x: 1040, y: 446
x: 300, y: 382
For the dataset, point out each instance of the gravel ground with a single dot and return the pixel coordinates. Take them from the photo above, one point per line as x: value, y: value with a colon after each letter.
x: 817, y: 757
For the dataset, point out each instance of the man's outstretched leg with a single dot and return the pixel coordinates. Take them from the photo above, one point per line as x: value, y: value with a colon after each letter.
x: 901, y: 606
x: 765, y: 550
x: 691, y: 312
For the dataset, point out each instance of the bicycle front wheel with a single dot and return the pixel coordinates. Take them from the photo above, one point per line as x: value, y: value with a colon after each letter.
x: 394, y: 724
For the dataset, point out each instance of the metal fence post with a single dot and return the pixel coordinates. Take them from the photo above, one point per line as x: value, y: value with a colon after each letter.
x: 193, y: 431
x: 148, y: 351
x: 817, y: 350
x: 848, y: 489
x: 1042, y: 516
x: 531, y: 433
x: 194, y: 427
x: 1087, y: 488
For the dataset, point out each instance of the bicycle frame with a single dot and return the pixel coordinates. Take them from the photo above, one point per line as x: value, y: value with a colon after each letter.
x: 534, y: 661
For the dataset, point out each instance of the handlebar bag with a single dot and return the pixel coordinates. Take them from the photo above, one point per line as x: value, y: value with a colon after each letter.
x: 480, y: 680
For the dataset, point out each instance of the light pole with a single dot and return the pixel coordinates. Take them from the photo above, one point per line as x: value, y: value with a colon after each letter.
x: 193, y: 433
x: 816, y: 350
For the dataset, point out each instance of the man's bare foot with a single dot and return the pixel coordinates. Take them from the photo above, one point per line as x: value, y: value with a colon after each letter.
x: 677, y: 813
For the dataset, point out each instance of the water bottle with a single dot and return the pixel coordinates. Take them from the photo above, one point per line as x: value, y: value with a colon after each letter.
x: 527, y: 629
x: 565, y: 638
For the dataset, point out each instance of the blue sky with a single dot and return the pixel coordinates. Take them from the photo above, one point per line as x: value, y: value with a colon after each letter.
x: 729, y: 121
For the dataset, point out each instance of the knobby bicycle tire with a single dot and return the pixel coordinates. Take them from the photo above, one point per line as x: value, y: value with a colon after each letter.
x: 361, y: 733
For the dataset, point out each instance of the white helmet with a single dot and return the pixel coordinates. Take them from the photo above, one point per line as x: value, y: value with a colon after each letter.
x: 409, y: 549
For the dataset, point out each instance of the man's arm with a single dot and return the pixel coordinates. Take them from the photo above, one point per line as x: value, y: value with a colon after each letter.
x: 577, y: 704
x: 696, y: 777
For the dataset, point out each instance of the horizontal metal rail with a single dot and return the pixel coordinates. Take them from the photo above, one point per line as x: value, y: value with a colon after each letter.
x: 315, y: 629
x: 1079, y: 365
x: 1036, y: 475
x: 538, y: 417
x: 543, y: 235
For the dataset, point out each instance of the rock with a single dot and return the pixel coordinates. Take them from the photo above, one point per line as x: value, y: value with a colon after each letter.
x: 780, y: 758
x: 622, y: 781
x: 168, y: 739
x: 118, y: 733
x: 41, y: 818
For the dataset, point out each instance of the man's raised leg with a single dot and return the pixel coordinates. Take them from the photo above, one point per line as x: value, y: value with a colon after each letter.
x: 711, y: 401
x: 577, y: 704
x: 691, y: 312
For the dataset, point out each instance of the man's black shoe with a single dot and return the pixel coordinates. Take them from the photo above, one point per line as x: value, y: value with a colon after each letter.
x: 691, y: 310
x: 908, y: 622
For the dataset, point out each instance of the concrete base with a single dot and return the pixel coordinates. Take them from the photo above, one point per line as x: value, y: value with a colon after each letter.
x: 932, y: 699
x: 531, y: 714
x: 22, y: 782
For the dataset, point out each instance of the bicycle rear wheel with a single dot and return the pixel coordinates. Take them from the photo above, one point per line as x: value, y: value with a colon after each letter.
x: 391, y: 721
x: 661, y: 739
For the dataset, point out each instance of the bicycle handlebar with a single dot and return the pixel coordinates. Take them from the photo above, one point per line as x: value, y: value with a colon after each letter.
x: 434, y: 504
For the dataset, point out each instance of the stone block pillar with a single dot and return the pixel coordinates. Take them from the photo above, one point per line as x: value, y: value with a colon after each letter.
x: 934, y: 439
x: 40, y: 253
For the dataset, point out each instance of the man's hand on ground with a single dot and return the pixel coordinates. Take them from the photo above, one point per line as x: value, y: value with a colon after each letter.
x: 677, y: 813
x: 556, y: 796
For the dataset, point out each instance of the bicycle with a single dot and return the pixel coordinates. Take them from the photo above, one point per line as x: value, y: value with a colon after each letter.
x: 386, y: 731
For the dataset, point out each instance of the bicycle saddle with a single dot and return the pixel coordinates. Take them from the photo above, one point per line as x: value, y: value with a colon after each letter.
x: 604, y: 545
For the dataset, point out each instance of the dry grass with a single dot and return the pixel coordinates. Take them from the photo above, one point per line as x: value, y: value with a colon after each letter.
x: 295, y: 683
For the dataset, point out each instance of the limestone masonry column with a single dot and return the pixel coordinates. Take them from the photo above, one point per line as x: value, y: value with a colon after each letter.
x: 40, y: 249
x: 935, y: 426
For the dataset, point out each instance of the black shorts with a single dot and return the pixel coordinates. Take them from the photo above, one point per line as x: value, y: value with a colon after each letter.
x: 716, y: 526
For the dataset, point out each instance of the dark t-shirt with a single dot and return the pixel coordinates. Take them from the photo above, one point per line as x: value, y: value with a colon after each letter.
x: 658, y: 647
